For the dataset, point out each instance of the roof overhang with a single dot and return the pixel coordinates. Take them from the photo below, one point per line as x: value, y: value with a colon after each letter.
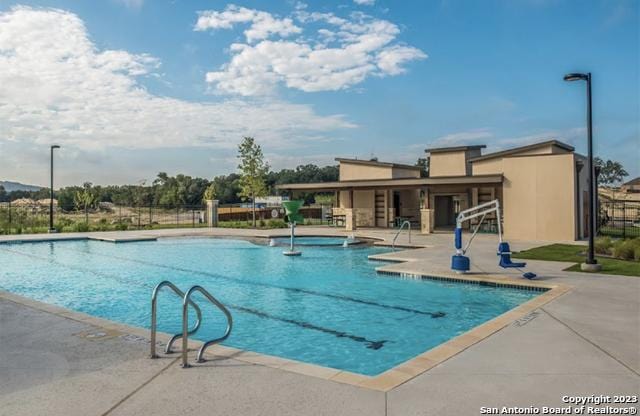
x: 516, y: 150
x: 393, y: 183
x: 376, y: 163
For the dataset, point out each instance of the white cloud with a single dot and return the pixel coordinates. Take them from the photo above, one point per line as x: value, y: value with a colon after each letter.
x: 57, y: 86
x: 365, y: 2
x: 263, y: 24
x: 339, y: 54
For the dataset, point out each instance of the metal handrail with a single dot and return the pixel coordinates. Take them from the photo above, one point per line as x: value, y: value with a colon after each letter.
x: 185, y: 318
x: 154, y: 310
x: 393, y: 244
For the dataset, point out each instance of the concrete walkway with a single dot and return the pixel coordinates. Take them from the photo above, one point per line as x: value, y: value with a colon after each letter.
x: 584, y: 342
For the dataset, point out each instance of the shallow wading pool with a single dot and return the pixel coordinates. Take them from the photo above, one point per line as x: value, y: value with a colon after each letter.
x: 328, y: 307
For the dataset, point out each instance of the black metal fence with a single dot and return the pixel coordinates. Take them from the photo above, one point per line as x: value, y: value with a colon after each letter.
x: 619, y: 219
x: 22, y: 218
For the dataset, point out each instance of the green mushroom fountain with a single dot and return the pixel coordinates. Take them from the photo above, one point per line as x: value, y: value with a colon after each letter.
x: 293, y: 216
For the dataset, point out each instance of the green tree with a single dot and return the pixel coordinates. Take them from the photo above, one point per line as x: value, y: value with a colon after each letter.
x: 210, y: 192
x: 84, y: 199
x: 4, y: 196
x: 611, y: 173
x: 253, y: 172
x: 423, y: 163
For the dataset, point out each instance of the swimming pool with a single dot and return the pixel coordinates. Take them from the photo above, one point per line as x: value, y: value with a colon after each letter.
x: 315, y: 241
x: 328, y: 307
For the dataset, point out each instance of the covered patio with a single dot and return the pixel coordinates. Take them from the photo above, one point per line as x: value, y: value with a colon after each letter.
x: 430, y: 203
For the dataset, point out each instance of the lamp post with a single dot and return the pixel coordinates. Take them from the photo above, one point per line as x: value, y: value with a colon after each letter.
x: 591, y: 264
x: 51, y: 229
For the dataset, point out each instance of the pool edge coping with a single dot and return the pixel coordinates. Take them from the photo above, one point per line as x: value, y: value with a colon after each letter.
x: 383, y: 382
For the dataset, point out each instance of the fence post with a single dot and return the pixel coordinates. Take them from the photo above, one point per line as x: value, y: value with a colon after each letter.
x: 624, y: 220
x: 177, y: 216
x: 9, y: 214
x: 138, y: 217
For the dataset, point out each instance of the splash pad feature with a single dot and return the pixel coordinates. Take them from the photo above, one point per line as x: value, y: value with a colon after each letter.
x: 292, y: 209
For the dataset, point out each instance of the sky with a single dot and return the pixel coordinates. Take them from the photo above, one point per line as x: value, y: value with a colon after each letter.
x: 130, y: 88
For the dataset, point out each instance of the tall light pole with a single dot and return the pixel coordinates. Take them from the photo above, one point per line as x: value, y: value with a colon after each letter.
x: 591, y: 264
x: 51, y: 229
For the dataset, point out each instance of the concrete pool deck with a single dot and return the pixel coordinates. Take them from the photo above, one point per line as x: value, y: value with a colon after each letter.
x: 583, y: 342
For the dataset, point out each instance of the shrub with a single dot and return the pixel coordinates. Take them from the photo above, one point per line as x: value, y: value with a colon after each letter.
x: 625, y: 249
x: 276, y: 223
x: 262, y: 223
x: 81, y: 227
x: 603, y: 245
x: 122, y: 227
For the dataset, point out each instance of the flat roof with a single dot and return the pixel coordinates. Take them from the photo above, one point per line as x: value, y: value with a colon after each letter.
x: 454, y: 148
x: 392, y: 183
x: 376, y: 163
x: 515, y: 150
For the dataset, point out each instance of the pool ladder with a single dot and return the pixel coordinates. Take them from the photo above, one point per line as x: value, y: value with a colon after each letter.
x: 408, y: 224
x: 186, y: 332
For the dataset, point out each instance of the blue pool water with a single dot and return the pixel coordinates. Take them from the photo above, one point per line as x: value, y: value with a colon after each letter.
x: 328, y: 307
x: 314, y: 241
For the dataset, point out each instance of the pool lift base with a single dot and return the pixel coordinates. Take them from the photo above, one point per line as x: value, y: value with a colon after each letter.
x: 461, y: 263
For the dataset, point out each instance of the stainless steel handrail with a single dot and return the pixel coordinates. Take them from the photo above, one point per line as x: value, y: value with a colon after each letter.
x: 185, y: 318
x: 393, y: 244
x: 154, y: 311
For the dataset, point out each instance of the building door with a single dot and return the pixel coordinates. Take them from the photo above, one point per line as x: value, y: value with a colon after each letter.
x: 380, y: 208
x: 444, y: 211
x: 396, y: 205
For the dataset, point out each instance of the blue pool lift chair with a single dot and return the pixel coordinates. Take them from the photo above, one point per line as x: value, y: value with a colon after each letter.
x: 504, y: 251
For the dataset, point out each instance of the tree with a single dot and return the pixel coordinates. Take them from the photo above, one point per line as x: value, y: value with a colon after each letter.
x: 611, y: 173
x: 210, y: 192
x: 423, y: 163
x: 253, y: 172
x: 84, y: 199
x: 4, y: 196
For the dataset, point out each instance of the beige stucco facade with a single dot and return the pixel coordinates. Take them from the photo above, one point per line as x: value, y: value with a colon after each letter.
x: 541, y: 188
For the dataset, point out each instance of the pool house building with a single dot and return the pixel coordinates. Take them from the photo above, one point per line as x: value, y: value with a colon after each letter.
x: 542, y: 189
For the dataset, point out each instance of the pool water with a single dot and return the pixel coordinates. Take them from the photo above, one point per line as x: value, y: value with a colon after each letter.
x: 314, y: 241
x: 328, y: 307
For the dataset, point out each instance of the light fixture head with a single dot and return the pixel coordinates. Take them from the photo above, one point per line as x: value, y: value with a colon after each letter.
x: 55, y: 146
x: 575, y: 77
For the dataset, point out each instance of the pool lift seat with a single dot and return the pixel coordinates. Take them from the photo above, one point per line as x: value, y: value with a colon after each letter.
x: 186, y: 332
x: 461, y: 263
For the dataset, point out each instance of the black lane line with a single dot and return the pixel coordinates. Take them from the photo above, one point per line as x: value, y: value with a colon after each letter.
x: 438, y: 314
x: 374, y: 345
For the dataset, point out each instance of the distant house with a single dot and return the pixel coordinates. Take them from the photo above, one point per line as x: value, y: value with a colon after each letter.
x: 632, y: 186
x: 542, y: 189
x: 23, y: 202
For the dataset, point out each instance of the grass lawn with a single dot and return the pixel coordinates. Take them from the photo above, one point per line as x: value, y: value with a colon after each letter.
x: 575, y: 254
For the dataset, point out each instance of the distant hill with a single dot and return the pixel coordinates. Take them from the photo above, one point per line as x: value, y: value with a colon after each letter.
x: 17, y: 186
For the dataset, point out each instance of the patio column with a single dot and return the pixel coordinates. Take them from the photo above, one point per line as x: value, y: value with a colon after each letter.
x: 212, y: 212
x: 427, y: 221
x: 350, y: 214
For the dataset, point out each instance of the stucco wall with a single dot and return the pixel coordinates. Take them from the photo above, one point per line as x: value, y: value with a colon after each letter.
x: 487, y: 167
x: 494, y: 166
x: 405, y: 173
x: 353, y: 171
x: 539, y: 197
x: 447, y: 164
